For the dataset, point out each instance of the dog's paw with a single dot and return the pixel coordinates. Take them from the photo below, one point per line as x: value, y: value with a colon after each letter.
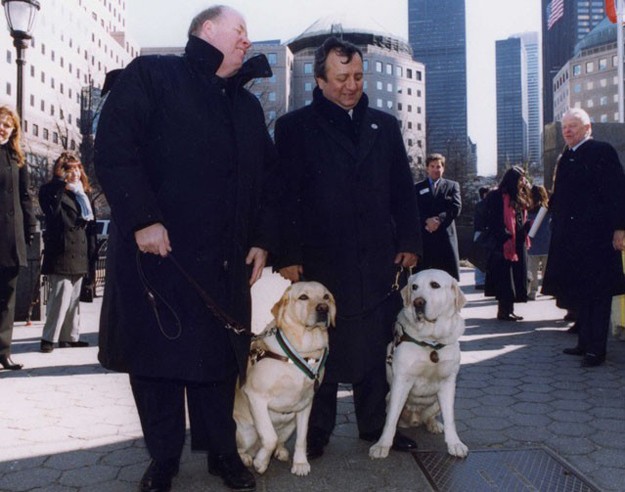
x: 246, y: 459
x: 261, y: 461
x: 281, y: 453
x: 379, y: 451
x: 434, y: 426
x: 458, y: 449
x: 300, y: 469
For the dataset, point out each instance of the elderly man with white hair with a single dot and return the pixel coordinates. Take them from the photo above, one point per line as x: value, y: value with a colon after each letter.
x: 588, y: 216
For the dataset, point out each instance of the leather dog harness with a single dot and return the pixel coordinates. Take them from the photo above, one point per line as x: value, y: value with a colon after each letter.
x: 407, y: 338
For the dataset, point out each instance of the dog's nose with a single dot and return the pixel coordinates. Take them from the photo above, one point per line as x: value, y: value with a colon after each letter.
x: 322, y: 308
x: 419, y: 302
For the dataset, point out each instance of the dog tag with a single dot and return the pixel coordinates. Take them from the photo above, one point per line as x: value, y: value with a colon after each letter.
x: 434, y: 356
x: 316, y: 385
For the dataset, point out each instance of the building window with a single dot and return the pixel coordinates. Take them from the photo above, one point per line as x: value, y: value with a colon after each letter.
x: 590, y: 67
x: 51, y: 109
x: 308, y: 68
x: 410, y: 142
x: 272, y: 96
x: 410, y: 108
x: 8, y: 88
x: 418, y: 109
x: 43, y: 105
x: 410, y: 125
x: 9, y: 58
x: 603, y: 118
x: 399, y: 106
x: 55, y: 137
x: 409, y: 73
x: 35, y: 130
x: 603, y: 101
x: 308, y: 86
x: 365, y: 65
x: 419, y: 75
x: 389, y: 87
x: 589, y: 103
x: 577, y: 70
x: 614, y: 61
x: 389, y: 69
x: 52, y: 55
x: 379, y: 103
x: 603, y: 65
x: 603, y: 82
x: 577, y: 88
x: 46, y: 134
x: 418, y: 92
x: 32, y: 100
x: 590, y: 85
x: 419, y: 127
x: 272, y: 58
x: 389, y: 104
x: 43, y: 77
x: 52, y: 84
x: 399, y: 71
x: 378, y: 67
x: 32, y: 70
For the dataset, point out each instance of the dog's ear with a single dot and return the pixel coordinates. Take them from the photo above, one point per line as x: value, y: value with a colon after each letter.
x: 332, y: 310
x: 405, y: 293
x: 459, y: 297
x: 279, y: 308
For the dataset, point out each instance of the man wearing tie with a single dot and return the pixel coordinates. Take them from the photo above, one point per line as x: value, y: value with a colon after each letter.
x: 588, y: 219
x: 439, y: 205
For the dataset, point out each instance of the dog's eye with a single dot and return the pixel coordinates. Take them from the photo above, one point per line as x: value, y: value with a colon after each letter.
x: 303, y: 297
x: 435, y: 285
x: 415, y: 286
x: 326, y: 297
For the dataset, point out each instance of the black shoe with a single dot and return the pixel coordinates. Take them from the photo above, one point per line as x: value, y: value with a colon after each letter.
x: 573, y: 351
x: 593, y: 360
x: 315, y: 444
x: 232, y: 470
x: 158, y: 476
x: 8, y: 364
x: 517, y: 317
x: 570, y: 316
x: 508, y: 317
x: 400, y: 442
x: 573, y: 329
x: 46, y: 347
x: 73, y: 344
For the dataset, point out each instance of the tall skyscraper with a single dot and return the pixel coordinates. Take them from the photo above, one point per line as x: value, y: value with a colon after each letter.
x: 512, y: 112
x: 436, y: 32
x: 564, y: 24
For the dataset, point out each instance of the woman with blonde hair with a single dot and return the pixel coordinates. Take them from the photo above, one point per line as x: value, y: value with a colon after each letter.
x: 66, y: 206
x: 17, y: 225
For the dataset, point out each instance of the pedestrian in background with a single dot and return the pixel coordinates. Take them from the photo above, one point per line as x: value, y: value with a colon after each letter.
x: 67, y: 209
x: 588, y: 216
x: 439, y: 204
x: 539, y: 244
x: 17, y: 225
x: 479, y: 223
x: 351, y: 220
x: 188, y: 167
x: 506, y: 218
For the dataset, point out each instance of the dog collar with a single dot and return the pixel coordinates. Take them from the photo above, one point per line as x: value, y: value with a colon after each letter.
x: 423, y: 343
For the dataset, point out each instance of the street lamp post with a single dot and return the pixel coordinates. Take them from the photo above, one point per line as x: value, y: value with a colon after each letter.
x: 20, y: 16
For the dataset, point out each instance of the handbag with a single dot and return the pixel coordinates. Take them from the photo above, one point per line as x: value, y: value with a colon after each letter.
x: 482, y: 249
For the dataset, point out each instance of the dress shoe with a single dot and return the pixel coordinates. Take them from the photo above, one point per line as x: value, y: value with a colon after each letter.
x: 573, y: 351
x: 570, y: 316
x: 573, y: 329
x: 73, y: 344
x: 507, y: 317
x: 158, y: 476
x: 7, y: 363
x: 517, y: 317
x: 232, y: 470
x: 400, y: 442
x: 593, y: 360
x: 46, y: 347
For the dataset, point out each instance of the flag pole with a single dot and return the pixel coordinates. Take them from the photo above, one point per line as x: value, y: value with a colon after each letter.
x: 620, y: 18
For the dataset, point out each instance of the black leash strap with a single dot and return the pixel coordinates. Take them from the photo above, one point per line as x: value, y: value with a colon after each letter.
x: 229, y: 322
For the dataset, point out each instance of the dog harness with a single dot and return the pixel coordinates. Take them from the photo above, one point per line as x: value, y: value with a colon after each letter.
x: 308, y: 365
x: 404, y: 337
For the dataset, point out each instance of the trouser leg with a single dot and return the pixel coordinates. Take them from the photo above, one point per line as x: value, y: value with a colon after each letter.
x: 211, y: 406
x: 160, y: 403
x: 323, y: 414
x: 59, y: 299
x: 8, y: 284
x: 594, y: 323
x: 70, y: 329
x: 505, y: 307
x: 370, y: 400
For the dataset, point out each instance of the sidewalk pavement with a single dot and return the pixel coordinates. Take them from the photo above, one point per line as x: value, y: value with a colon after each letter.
x: 66, y: 424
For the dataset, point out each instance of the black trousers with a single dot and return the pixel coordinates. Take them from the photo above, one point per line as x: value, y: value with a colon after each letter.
x: 369, y: 404
x: 593, y: 320
x: 8, y: 284
x: 161, y: 407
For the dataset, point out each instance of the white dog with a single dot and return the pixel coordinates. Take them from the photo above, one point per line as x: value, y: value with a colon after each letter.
x: 286, y: 365
x: 424, y: 359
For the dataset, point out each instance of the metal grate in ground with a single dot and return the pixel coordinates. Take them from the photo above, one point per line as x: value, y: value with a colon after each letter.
x: 503, y: 470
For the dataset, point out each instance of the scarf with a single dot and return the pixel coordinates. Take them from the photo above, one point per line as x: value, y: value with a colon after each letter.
x: 83, y: 200
x: 509, y: 221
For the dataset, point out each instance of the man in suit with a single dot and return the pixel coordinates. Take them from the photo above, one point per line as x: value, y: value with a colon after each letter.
x: 351, y: 220
x: 587, y: 210
x: 439, y: 204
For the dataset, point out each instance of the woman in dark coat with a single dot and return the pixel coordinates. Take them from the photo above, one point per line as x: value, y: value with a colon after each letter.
x: 506, y: 218
x: 17, y: 225
x: 65, y: 203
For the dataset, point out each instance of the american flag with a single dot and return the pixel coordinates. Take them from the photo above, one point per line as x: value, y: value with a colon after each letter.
x: 555, y: 11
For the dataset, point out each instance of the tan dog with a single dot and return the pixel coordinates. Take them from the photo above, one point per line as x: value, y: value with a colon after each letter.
x: 277, y: 396
x: 424, y: 359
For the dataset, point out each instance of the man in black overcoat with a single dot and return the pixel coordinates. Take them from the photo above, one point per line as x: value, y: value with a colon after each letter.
x: 188, y: 167
x: 587, y: 210
x: 351, y: 221
x: 439, y: 204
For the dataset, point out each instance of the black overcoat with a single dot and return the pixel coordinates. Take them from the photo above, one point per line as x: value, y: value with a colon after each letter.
x: 350, y: 208
x: 440, y: 248
x: 17, y: 220
x: 178, y: 145
x: 505, y: 279
x: 587, y: 206
x: 65, y: 238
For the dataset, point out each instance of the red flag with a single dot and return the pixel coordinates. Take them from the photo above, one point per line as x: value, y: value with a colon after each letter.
x: 610, y: 10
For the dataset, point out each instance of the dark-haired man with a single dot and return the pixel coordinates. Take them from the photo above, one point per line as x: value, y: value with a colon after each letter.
x: 351, y: 220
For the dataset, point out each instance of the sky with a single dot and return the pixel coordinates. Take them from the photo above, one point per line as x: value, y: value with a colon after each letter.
x: 165, y: 23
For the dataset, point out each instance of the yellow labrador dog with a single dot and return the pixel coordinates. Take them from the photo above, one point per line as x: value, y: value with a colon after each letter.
x: 424, y: 359
x: 286, y: 365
